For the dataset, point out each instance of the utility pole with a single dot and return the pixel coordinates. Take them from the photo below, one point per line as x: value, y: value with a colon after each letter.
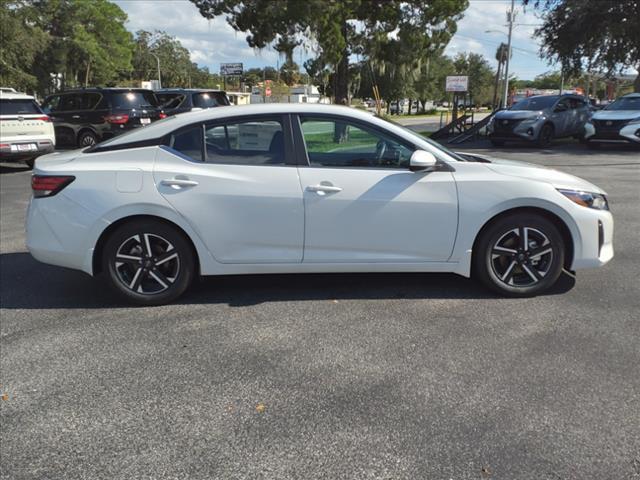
x: 158, y: 60
x: 510, y: 19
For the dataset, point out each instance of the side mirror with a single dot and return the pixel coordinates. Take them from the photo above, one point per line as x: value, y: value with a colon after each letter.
x: 422, y: 160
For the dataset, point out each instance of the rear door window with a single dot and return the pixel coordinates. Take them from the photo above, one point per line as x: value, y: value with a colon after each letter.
x: 71, y: 102
x: 251, y: 142
x: 18, y: 107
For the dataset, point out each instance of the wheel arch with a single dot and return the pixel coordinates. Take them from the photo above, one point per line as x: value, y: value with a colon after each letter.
x: 563, y: 228
x: 87, y: 129
x: 102, y: 239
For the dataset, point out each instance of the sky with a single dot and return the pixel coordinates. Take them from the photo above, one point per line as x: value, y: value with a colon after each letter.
x: 212, y: 42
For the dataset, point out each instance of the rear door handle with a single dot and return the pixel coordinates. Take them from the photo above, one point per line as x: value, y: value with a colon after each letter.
x: 75, y: 116
x: 323, y: 188
x: 179, y: 182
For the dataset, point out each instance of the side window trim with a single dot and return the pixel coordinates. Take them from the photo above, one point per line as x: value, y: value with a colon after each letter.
x: 301, y: 147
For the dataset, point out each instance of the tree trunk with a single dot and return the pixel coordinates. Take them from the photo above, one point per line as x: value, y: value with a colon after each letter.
x: 342, y: 73
x: 86, y: 76
x: 495, y: 103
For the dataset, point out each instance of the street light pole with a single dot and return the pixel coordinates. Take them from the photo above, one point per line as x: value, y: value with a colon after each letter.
x: 158, y: 60
x: 506, y: 65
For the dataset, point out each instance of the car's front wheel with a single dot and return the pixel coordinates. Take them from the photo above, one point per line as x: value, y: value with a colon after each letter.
x: 545, y: 136
x: 519, y: 255
x: 148, y: 262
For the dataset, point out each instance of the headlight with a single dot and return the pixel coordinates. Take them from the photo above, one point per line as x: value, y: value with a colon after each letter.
x: 587, y: 199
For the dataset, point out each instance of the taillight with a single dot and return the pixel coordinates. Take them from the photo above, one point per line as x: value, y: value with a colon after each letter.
x: 49, y: 185
x: 44, y: 118
x: 162, y: 115
x: 118, y: 119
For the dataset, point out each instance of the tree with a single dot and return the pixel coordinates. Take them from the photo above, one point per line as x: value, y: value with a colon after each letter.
x: 89, y: 42
x: 290, y: 73
x: 480, y: 76
x: 430, y: 82
x: 337, y: 28
x: 21, y: 41
x: 591, y: 35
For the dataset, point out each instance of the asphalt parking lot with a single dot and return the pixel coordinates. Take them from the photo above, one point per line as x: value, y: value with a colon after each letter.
x: 417, y: 376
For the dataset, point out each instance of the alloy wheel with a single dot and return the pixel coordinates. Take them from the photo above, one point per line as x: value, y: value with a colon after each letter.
x: 87, y: 141
x: 522, y: 257
x: 147, y: 263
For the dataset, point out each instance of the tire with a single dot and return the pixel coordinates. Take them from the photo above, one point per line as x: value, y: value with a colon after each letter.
x: 545, y: 136
x: 87, y: 139
x: 148, y: 279
x: 497, y: 143
x: 503, y: 264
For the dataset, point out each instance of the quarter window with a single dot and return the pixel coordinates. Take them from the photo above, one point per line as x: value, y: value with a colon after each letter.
x: 337, y: 143
x: 254, y: 142
x: 188, y: 142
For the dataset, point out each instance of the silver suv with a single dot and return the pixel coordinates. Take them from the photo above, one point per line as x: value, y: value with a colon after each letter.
x: 619, y: 122
x: 540, y: 119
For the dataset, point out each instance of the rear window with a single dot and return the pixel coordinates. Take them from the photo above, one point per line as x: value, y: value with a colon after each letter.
x: 129, y: 100
x: 209, y: 99
x: 18, y: 107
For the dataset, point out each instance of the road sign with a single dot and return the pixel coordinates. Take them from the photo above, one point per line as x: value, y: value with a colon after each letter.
x: 457, y: 83
x: 231, y: 69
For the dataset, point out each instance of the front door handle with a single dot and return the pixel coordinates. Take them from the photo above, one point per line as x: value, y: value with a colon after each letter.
x: 75, y: 116
x: 179, y: 182
x: 323, y: 189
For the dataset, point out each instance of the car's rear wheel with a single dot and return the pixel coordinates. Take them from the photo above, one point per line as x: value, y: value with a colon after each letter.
x: 87, y: 139
x: 519, y: 255
x: 148, y: 262
x: 545, y: 136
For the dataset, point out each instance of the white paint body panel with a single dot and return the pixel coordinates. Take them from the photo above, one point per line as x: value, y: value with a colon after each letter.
x: 261, y: 219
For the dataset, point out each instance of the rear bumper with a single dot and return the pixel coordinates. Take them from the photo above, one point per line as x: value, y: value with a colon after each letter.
x: 14, y: 150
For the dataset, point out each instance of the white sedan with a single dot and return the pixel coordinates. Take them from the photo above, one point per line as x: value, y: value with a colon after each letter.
x: 305, y: 188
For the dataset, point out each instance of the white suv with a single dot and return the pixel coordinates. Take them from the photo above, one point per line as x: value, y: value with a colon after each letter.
x: 25, y: 131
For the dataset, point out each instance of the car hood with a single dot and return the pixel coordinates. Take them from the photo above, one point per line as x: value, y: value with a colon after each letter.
x: 539, y: 173
x: 517, y: 114
x: 616, y: 115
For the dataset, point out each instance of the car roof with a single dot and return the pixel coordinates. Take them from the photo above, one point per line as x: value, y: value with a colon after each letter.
x: 105, y: 89
x: 193, y: 90
x: 4, y: 95
x: 174, y: 122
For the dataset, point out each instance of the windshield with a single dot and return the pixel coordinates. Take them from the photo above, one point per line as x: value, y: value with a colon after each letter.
x: 129, y: 100
x: 534, y: 103
x: 209, y: 99
x: 17, y: 107
x: 435, y: 144
x: 625, y: 103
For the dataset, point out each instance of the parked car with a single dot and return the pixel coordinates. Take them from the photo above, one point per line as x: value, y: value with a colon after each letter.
x: 274, y: 189
x: 181, y: 100
x: 25, y: 131
x: 86, y: 116
x: 618, y: 122
x: 540, y: 119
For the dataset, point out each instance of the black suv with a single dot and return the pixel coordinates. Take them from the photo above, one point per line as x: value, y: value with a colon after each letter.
x: 87, y: 116
x: 180, y: 100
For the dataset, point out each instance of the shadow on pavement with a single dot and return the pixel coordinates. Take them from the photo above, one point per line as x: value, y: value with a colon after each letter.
x: 13, y: 168
x: 28, y: 284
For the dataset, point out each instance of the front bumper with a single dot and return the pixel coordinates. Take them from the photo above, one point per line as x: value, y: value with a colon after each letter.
x: 624, y: 134
x: 515, y: 130
x: 595, y: 229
